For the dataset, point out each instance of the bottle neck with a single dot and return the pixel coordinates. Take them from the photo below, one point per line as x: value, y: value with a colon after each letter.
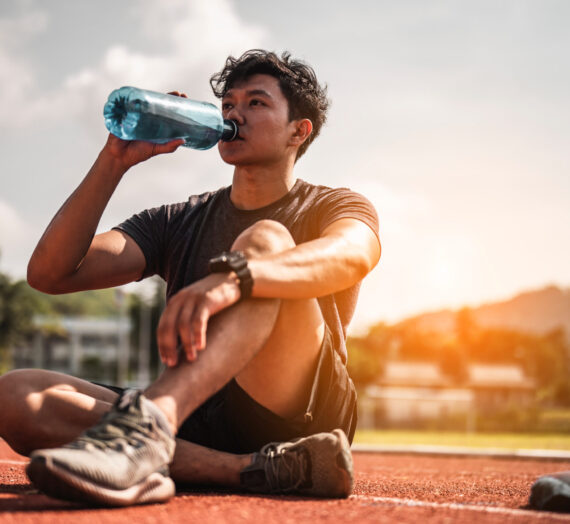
x: 230, y: 131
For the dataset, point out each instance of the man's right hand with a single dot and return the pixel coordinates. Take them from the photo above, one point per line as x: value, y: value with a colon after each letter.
x: 131, y: 152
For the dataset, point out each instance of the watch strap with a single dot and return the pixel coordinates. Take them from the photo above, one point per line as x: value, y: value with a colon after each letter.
x: 234, y: 261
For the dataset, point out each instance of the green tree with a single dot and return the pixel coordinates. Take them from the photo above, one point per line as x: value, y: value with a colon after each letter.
x: 18, y: 304
x: 156, y: 304
x: 94, y: 303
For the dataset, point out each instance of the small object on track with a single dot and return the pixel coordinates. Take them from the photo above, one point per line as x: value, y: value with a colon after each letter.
x: 551, y: 493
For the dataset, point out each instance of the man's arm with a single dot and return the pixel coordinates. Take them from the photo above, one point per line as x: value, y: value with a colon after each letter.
x: 69, y: 256
x: 343, y: 255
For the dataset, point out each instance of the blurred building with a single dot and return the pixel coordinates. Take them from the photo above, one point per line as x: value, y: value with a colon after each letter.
x: 95, y: 349
x: 412, y: 394
x: 499, y: 385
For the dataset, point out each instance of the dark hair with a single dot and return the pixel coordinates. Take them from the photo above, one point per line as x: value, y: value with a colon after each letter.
x: 297, y: 80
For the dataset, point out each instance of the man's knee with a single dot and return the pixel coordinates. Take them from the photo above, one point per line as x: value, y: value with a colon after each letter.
x: 19, y: 398
x: 265, y: 236
x: 14, y: 385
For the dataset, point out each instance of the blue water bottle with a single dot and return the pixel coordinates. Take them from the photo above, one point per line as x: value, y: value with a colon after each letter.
x: 137, y: 114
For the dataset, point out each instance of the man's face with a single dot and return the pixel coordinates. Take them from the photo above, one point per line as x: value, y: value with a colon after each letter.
x: 261, y: 111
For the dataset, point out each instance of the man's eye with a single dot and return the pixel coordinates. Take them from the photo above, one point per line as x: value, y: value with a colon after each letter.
x: 226, y: 106
x: 255, y: 102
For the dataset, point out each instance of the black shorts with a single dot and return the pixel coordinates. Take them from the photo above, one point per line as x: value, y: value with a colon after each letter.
x: 232, y: 421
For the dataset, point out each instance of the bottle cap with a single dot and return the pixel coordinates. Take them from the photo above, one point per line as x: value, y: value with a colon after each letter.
x: 230, y: 131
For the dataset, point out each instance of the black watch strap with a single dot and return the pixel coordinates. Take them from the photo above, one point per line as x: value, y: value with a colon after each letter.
x: 234, y: 261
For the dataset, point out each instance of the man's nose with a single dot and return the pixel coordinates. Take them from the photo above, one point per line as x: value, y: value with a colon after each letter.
x: 235, y: 114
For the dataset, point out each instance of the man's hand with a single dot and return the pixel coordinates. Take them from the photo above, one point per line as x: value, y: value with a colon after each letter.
x: 187, y: 313
x: 131, y: 152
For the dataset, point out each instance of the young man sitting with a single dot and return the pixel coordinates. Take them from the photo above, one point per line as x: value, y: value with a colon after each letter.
x: 262, y: 280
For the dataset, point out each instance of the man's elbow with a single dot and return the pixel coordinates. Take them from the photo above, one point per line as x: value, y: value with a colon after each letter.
x: 41, y: 280
x: 363, y: 264
x: 369, y: 258
x: 36, y: 281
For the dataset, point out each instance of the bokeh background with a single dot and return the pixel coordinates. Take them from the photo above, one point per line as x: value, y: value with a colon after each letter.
x: 451, y: 116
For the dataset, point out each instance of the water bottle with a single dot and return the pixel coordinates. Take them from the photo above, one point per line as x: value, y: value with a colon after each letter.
x: 137, y: 114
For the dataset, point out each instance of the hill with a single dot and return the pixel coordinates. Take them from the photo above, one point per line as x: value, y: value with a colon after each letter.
x: 536, y: 312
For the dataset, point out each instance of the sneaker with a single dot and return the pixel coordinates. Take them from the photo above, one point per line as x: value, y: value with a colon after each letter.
x: 122, y: 460
x: 319, y: 466
x: 551, y: 493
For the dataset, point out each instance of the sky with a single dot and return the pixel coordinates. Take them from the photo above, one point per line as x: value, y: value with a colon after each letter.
x: 452, y: 117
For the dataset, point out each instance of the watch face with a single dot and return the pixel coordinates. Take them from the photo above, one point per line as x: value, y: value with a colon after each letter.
x: 234, y: 261
x: 227, y: 262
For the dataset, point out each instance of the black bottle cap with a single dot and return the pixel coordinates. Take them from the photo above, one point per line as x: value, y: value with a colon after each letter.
x: 230, y: 131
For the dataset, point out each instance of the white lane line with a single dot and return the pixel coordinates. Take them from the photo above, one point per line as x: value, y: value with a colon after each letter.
x: 14, y: 462
x: 392, y: 501
x: 538, y: 454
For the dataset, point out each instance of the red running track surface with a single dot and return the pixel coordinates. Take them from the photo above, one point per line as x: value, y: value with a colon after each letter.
x: 402, y: 488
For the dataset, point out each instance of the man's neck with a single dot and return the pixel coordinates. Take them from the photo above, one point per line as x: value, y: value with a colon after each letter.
x: 256, y: 187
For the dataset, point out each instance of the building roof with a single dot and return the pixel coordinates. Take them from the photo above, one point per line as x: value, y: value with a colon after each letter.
x: 498, y: 376
x: 397, y: 373
x: 429, y: 375
x: 86, y: 325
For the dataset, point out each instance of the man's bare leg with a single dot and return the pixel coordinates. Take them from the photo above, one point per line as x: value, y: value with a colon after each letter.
x: 272, y: 350
x: 45, y: 409
x: 123, y: 460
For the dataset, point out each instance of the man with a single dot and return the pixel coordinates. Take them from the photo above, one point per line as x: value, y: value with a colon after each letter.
x: 262, y: 279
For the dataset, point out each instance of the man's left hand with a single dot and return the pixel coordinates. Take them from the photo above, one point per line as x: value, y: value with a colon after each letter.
x: 187, y: 313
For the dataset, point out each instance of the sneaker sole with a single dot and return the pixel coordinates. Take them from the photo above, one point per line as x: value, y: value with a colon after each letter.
x: 60, y: 483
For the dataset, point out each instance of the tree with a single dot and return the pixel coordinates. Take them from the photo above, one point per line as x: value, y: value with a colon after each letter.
x: 156, y: 305
x: 364, y: 362
x: 18, y: 304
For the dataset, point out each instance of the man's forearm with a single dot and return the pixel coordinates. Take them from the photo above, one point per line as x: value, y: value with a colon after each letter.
x: 67, y: 238
x: 329, y: 264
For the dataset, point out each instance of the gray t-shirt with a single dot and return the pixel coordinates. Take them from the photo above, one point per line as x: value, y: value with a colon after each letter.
x: 178, y: 240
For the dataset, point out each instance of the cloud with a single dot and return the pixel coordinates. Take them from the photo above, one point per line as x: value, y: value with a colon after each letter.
x: 185, y: 42
x: 17, y: 30
x: 16, y: 73
x: 15, y: 234
x: 191, y: 38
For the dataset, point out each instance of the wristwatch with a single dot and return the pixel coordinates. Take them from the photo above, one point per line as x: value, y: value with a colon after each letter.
x: 237, y: 262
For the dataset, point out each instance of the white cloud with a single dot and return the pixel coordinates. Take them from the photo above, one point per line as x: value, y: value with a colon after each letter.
x: 191, y: 38
x: 15, y: 235
x: 15, y: 31
x: 16, y: 73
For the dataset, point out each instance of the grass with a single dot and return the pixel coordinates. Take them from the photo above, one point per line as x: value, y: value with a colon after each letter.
x: 509, y: 441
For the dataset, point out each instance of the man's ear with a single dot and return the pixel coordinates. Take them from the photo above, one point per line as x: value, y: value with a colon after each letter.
x: 303, y: 128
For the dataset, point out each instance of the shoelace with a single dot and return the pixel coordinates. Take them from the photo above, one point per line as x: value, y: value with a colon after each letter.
x: 285, y: 469
x: 113, y: 433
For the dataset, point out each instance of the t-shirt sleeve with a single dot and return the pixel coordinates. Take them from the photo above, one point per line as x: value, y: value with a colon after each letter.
x: 149, y: 230
x: 344, y: 203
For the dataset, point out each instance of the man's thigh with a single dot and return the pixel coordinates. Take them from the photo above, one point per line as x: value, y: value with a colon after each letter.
x: 280, y: 376
x: 233, y: 421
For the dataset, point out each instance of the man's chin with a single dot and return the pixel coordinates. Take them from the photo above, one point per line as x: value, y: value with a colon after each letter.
x: 234, y: 159
x: 229, y: 157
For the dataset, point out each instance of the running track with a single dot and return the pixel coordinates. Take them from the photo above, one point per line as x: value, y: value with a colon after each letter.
x: 389, y: 487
